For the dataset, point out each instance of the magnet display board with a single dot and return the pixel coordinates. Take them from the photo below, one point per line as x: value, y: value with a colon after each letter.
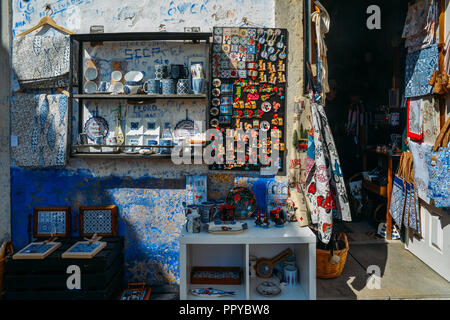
x: 248, y: 88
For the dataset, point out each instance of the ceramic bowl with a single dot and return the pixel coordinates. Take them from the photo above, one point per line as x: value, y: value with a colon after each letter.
x: 131, y: 89
x: 134, y: 77
x: 116, y: 76
x: 91, y: 73
x: 90, y: 87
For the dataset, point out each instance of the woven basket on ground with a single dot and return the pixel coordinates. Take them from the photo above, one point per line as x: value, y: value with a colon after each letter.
x: 325, y: 269
x: 5, y: 250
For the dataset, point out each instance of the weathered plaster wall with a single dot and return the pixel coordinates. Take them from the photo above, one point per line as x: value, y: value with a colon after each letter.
x: 148, y: 194
x: 5, y: 203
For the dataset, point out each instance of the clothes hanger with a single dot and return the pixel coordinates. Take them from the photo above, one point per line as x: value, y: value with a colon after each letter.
x: 46, y: 21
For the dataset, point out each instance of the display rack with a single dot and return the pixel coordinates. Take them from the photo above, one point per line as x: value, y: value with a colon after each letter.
x: 81, y: 39
x: 204, y: 249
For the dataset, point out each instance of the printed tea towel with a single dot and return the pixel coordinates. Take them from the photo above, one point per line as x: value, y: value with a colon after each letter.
x: 40, y: 123
x: 420, y: 66
x: 326, y: 192
x: 421, y: 177
x: 42, y: 61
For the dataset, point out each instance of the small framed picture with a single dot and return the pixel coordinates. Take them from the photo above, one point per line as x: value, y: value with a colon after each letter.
x: 136, y: 291
x: 37, y: 250
x: 100, y: 220
x: 51, y: 222
x: 83, y: 250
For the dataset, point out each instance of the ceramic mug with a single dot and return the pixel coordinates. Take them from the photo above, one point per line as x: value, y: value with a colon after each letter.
x: 152, y: 86
x: 168, y: 86
x: 208, y: 211
x: 161, y: 71
x: 134, y: 78
x: 178, y: 71
x: 131, y: 89
x: 197, y: 85
x: 183, y: 86
x: 90, y: 87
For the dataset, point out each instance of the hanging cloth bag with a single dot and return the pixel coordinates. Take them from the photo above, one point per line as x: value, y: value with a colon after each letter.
x: 398, y: 197
x: 438, y: 164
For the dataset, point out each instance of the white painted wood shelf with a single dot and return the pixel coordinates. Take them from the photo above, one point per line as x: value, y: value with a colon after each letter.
x: 206, y: 250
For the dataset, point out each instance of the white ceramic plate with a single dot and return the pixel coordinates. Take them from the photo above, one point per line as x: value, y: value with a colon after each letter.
x: 91, y: 73
x: 90, y: 87
x: 116, y: 76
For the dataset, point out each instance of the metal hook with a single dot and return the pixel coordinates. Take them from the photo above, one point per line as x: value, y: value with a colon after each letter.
x: 48, y: 7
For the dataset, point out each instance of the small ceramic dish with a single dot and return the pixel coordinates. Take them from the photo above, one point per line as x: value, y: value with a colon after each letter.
x: 90, y: 87
x: 91, y: 73
x: 116, y: 76
x: 117, y: 87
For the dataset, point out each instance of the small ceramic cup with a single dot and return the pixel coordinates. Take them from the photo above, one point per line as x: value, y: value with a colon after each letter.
x: 183, y: 86
x: 197, y: 85
x: 152, y: 86
x: 117, y: 87
x: 168, y: 86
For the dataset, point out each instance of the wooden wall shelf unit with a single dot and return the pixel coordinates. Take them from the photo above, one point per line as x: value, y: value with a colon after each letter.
x: 81, y: 39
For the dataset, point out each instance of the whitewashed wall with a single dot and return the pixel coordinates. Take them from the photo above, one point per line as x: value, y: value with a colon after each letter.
x: 144, y: 15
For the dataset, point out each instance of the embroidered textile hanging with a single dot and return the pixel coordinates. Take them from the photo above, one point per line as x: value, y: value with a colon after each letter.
x: 420, y: 66
x: 326, y: 192
x: 40, y: 123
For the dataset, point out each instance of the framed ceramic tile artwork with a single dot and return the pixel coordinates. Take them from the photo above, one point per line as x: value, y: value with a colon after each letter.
x: 136, y: 291
x: 100, y: 220
x: 37, y: 250
x: 51, y: 222
x: 83, y: 250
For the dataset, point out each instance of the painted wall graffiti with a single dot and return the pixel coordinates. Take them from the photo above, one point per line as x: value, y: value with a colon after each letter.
x: 149, y: 194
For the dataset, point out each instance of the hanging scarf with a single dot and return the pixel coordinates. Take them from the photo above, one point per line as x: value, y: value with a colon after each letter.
x: 326, y: 192
x: 321, y: 20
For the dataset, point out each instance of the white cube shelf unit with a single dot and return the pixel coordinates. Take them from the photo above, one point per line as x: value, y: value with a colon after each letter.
x: 209, y: 250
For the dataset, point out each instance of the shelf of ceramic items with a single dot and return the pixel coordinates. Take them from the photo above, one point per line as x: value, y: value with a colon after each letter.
x: 139, y: 96
x: 99, y: 155
x: 142, y: 36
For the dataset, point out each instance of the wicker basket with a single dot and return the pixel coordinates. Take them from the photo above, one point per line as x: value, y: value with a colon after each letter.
x: 324, y: 268
x: 5, y: 250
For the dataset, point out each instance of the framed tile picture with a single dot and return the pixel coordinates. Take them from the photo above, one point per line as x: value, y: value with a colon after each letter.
x: 37, y: 250
x: 83, y: 250
x: 100, y: 220
x: 51, y: 222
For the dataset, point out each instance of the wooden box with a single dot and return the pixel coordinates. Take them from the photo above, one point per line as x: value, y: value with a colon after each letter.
x: 223, y: 275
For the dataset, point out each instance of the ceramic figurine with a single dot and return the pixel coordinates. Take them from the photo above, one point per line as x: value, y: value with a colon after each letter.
x: 266, y: 222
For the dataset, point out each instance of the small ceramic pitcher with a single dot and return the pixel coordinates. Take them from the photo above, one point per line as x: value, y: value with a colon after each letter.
x: 193, y: 223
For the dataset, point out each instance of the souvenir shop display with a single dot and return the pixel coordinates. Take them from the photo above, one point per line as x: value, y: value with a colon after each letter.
x: 212, y: 293
x: 99, y: 220
x: 216, y: 275
x: 136, y: 291
x: 51, y: 222
x: 248, y: 88
x: 37, y: 250
x: 244, y: 202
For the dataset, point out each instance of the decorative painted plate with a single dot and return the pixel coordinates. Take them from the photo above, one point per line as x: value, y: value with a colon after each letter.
x: 96, y: 127
x: 268, y: 289
x: 244, y: 201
